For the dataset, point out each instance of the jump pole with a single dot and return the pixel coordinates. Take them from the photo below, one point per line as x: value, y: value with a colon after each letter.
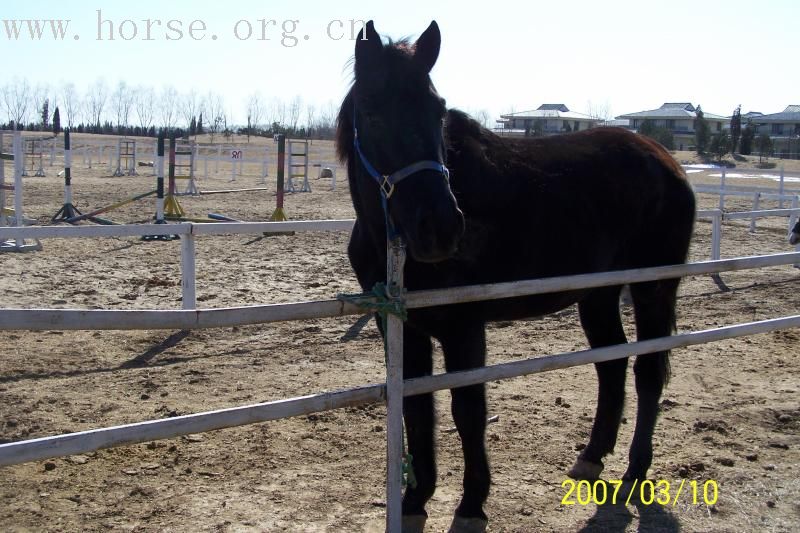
x: 68, y: 210
x: 172, y: 209
x: 3, y: 187
x: 92, y: 216
x: 279, y: 215
x: 18, y: 156
x: 160, y: 193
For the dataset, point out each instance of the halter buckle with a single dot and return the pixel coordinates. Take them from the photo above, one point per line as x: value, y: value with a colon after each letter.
x: 387, y: 187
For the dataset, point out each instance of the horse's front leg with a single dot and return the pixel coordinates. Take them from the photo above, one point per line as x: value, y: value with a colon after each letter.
x: 465, y: 349
x: 418, y: 413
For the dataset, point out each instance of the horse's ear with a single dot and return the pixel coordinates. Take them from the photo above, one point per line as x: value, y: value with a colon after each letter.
x: 368, y: 48
x: 427, y: 47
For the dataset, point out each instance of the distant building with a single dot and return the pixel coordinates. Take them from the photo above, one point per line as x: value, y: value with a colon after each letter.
x: 547, y: 119
x: 783, y: 128
x: 678, y: 118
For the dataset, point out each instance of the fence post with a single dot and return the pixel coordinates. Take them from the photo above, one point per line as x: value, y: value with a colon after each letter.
x: 188, y: 296
x: 756, y: 203
x: 396, y: 257
x: 716, y: 235
x: 780, y: 191
x: 722, y: 190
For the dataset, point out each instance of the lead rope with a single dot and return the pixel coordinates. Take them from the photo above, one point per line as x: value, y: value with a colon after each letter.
x: 381, y: 302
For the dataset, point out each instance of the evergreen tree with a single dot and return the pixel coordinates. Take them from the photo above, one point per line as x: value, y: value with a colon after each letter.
x: 720, y: 144
x: 200, y: 125
x: 736, y: 128
x: 46, y: 115
x: 746, y: 142
x: 193, y: 126
x: 647, y: 127
x: 764, y: 145
x: 701, y: 132
x: 56, y: 121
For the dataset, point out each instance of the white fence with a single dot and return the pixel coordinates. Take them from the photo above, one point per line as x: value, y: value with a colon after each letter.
x: 99, y: 152
x: 392, y: 391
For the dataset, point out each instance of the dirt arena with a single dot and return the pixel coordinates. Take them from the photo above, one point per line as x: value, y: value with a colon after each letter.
x: 731, y: 413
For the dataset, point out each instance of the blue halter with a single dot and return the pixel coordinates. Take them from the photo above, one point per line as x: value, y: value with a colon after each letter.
x: 387, y: 182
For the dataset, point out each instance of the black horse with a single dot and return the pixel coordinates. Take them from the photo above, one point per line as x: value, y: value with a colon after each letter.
x: 510, y: 209
x: 794, y: 235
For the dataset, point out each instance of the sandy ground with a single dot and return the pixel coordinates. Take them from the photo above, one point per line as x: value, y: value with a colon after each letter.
x: 731, y: 414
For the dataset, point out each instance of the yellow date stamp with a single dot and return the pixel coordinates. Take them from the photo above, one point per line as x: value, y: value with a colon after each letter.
x: 648, y: 492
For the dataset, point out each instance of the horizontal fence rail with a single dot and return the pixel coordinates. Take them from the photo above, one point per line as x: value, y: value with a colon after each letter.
x: 184, y: 228
x: 93, y: 319
x: 91, y: 440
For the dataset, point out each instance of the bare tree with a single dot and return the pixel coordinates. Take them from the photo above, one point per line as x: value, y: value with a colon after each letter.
x: 277, y: 112
x: 189, y: 107
x: 326, y: 124
x: 16, y: 99
x: 311, y: 124
x: 144, y: 104
x: 214, y: 113
x: 70, y: 103
x: 96, y: 101
x: 122, y: 100
x: 167, y: 107
x: 294, y: 111
x: 255, y: 110
x: 600, y: 112
x: 483, y: 117
x: 39, y: 95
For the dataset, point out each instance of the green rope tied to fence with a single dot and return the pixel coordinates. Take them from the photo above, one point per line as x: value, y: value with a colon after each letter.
x: 409, y: 479
x: 377, y: 301
x: 380, y: 302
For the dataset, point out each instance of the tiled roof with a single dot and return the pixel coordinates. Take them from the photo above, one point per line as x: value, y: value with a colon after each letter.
x: 790, y: 116
x: 553, y: 107
x: 550, y: 111
x: 672, y: 110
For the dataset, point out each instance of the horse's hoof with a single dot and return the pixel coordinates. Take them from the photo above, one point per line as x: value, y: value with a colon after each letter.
x: 413, y: 523
x: 583, y: 469
x: 461, y: 524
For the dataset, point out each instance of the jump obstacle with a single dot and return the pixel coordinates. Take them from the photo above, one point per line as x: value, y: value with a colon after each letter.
x: 160, y: 200
x: 298, y: 166
x: 18, y: 159
x: 33, y: 158
x: 279, y: 215
x: 186, y: 167
x: 68, y: 210
x: 126, y: 157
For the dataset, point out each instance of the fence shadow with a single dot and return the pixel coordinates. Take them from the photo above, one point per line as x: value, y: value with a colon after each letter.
x: 139, y: 361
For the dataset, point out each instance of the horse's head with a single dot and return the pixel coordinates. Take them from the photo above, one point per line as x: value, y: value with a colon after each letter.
x: 399, y: 150
x: 794, y: 236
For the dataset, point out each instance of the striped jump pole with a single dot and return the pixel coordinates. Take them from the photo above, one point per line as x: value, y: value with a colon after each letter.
x: 279, y: 215
x: 68, y: 210
x: 160, y: 193
x: 3, y: 187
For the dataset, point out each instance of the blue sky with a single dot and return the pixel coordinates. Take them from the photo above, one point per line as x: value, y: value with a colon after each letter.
x: 499, y: 56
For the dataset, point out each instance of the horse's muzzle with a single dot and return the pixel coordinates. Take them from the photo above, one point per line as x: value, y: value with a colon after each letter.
x: 435, y: 235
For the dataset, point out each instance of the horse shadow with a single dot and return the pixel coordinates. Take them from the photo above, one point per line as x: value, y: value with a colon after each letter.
x: 616, y: 517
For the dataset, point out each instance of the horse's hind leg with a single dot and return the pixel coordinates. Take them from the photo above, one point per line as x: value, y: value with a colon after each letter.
x: 465, y: 348
x: 654, y: 305
x: 601, y: 322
